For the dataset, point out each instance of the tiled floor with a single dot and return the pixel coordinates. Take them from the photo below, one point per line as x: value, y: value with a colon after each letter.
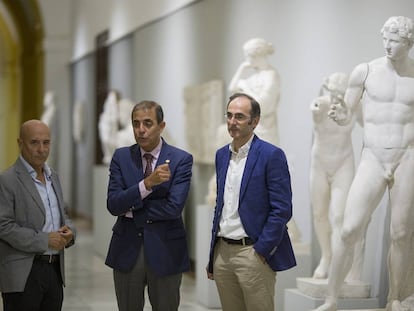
x: 89, y: 284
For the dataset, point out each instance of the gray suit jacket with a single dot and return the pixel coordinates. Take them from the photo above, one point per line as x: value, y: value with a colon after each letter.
x: 22, y: 216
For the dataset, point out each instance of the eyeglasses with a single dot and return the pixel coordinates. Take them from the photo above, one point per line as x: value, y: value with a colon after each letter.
x: 239, y: 117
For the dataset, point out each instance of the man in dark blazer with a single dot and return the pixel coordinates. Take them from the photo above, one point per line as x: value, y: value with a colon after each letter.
x: 250, y: 240
x: 34, y: 229
x: 148, y: 186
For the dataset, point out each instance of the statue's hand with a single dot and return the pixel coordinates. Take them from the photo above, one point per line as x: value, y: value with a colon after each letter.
x: 315, y: 105
x: 338, y: 110
x: 320, y: 104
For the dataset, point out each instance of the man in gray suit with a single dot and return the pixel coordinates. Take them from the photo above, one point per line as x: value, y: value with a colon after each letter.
x: 34, y: 229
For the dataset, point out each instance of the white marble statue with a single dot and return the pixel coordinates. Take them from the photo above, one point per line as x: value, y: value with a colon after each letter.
x: 125, y: 134
x: 384, y: 88
x: 49, y: 109
x: 406, y: 305
x: 257, y: 78
x: 108, y: 126
x: 49, y: 118
x: 331, y: 173
x: 115, y: 125
x: 78, y: 121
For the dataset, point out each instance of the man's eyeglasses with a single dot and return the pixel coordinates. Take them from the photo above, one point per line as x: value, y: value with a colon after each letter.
x: 239, y: 117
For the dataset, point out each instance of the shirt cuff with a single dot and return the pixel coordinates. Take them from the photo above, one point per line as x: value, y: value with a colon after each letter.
x: 142, y: 190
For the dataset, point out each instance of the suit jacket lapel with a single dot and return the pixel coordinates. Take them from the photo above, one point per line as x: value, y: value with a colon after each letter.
x: 137, y: 160
x: 28, y: 183
x: 58, y: 192
x: 165, y: 153
x: 252, y: 158
x: 225, y: 160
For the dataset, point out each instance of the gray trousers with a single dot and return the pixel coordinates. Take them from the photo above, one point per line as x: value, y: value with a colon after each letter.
x: 163, y: 292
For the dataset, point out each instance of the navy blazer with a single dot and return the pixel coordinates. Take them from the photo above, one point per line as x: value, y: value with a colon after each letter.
x: 265, y: 203
x: 157, y: 221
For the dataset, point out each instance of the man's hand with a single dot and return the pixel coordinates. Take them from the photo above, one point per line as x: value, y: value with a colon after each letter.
x: 161, y: 174
x: 56, y: 241
x: 210, y: 276
x: 66, y: 233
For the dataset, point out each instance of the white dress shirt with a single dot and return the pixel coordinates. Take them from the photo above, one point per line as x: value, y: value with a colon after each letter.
x: 230, y: 224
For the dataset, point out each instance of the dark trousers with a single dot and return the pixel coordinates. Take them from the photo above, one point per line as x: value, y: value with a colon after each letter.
x: 43, y: 290
x: 163, y: 292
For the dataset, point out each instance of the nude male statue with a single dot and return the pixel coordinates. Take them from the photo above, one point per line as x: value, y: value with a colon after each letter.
x: 384, y: 88
x: 331, y: 174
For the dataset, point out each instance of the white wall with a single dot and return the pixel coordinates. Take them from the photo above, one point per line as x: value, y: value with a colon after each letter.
x: 70, y: 28
x: 57, y: 47
x: 120, y: 17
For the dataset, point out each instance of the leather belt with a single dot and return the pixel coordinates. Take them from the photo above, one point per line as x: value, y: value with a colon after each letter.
x: 243, y: 241
x: 47, y: 258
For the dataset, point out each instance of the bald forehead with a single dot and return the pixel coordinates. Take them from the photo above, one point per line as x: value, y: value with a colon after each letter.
x: 31, y: 127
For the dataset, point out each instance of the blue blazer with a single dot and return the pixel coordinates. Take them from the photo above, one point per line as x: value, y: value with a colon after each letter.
x: 157, y: 221
x: 265, y: 204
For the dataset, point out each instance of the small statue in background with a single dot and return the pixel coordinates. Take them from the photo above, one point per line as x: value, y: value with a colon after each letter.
x: 257, y: 78
x: 78, y: 121
x: 125, y: 134
x: 108, y: 126
x: 49, y: 118
x: 49, y: 109
x: 331, y: 174
x: 115, y: 125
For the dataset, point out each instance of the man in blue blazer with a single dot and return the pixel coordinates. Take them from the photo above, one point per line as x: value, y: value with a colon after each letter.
x: 34, y: 228
x: 148, y: 186
x: 250, y: 241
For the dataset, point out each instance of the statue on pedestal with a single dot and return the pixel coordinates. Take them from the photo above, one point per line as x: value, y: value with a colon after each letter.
x: 331, y: 174
x: 384, y: 88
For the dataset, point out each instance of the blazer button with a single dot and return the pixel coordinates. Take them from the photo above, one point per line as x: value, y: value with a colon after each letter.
x: 149, y: 221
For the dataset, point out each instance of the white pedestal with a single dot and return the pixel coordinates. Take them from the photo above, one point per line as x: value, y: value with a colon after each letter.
x: 297, y: 301
x: 206, y: 289
x: 287, y: 279
x: 102, y: 219
x: 318, y: 288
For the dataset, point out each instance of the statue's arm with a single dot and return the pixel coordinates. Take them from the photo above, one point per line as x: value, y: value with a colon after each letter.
x: 235, y: 81
x: 344, y: 110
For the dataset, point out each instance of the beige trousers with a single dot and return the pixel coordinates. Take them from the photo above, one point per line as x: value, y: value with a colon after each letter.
x: 243, y: 281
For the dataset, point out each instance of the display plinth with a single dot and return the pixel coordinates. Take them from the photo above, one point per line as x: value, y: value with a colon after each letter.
x: 318, y: 288
x: 287, y: 279
x: 103, y: 221
x: 206, y: 289
x: 298, y: 301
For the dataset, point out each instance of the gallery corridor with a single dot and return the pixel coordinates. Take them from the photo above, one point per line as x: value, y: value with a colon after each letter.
x: 89, y: 284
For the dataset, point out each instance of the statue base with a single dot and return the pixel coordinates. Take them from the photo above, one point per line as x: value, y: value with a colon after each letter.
x: 317, y: 288
x: 298, y: 301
